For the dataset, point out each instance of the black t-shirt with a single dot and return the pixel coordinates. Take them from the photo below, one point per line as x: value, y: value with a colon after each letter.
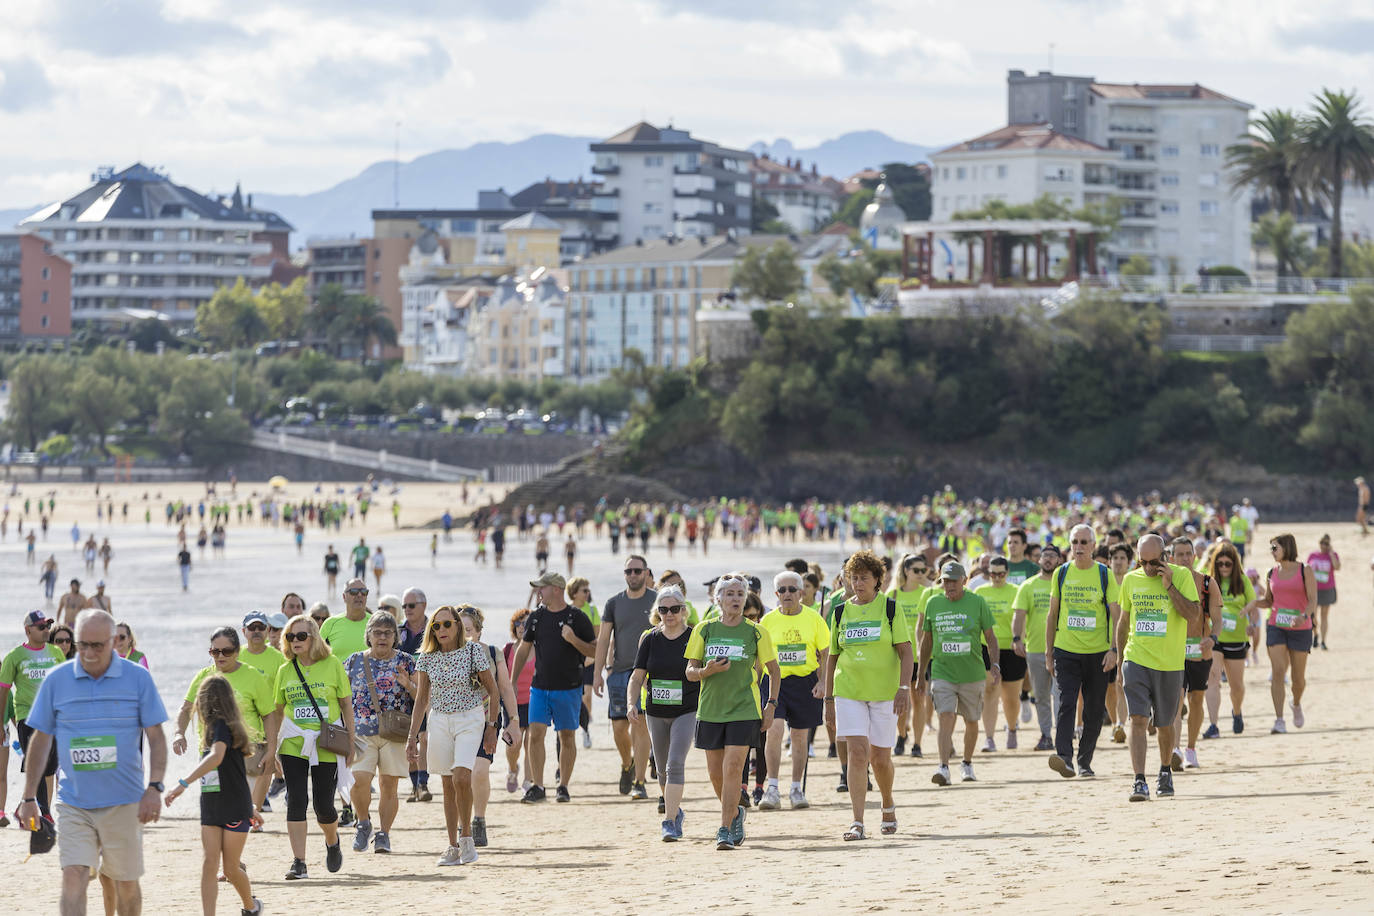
x: 184, y: 558
x: 331, y: 562
x: 224, y: 794
x: 557, y: 662
x: 670, y: 693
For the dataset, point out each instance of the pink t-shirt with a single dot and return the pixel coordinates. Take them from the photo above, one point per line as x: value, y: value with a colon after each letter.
x: 524, y: 678
x: 1324, y: 569
x: 1290, y: 601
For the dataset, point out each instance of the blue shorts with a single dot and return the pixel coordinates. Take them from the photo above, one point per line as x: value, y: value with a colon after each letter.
x: 1292, y: 640
x: 559, y: 708
x: 615, y: 695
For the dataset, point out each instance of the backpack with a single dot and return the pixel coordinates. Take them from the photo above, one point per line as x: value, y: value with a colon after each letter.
x: 1102, y: 572
x: 891, y: 612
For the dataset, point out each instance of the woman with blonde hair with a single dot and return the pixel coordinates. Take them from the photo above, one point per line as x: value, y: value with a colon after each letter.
x: 312, y: 686
x: 481, y: 771
x: 450, y: 677
x: 226, y: 804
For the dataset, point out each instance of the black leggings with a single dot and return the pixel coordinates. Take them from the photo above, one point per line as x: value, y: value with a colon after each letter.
x: 323, y: 779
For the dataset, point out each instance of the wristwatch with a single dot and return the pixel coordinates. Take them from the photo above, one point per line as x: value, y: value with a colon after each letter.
x: 156, y: 785
x: 496, y: 724
x: 1016, y: 639
x: 771, y: 701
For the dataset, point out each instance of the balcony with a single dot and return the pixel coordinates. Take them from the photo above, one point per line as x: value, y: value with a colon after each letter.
x: 606, y: 192
x: 166, y: 245
x: 606, y: 169
x: 1129, y: 128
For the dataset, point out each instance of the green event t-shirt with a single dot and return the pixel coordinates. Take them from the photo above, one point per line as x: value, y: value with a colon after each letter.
x: 733, y: 694
x: 867, y: 666
x: 1157, y: 634
x: 956, y: 629
x: 267, y: 661
x: 909, y: 604
x: 999, y: 599
x: 24, y: 670
x: 345, y: 636
x: 251, y: 689
x: 328, y: 682
x: 1033, y: 597
x: 592, y: 613
x: 1021, y: 571
x: 1233, y: 616
x: 1084, y: 624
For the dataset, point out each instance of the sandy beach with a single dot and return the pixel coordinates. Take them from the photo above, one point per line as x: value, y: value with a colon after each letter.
x: 1269, y: 823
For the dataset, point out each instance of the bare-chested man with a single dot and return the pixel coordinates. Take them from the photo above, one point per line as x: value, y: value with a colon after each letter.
x: 100, y: 599
x: 71, y: 604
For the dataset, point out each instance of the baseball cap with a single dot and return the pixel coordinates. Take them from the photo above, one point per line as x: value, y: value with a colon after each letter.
x: 100, y: 584
x: 549, y: 578
x: 390, y: 602
x: 33, y: 618
x: 953, y: 570
x: 255, y: 615
x: 276, y: 620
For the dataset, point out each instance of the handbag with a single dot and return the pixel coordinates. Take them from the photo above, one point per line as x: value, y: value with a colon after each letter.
x: 333, y: 738
x: 253, y: 763
x: 392, y: 724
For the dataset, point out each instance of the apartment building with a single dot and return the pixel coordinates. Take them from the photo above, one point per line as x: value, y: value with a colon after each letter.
x: 517, y: 331
x: 35, y: 290
x: 1179, y: 208
x: 661, y: 182
x: 368, y: 267
x: 141, y: 246
x: 805, y: 199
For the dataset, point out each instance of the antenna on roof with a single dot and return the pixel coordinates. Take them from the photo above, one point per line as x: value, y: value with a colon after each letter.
x: 396, y: 171
x: 1051, y: 57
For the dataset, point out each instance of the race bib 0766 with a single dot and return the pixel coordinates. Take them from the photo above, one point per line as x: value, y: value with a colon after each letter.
x: 862, y: 632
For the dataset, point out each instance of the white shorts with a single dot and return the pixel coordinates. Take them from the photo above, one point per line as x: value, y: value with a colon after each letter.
x: 455, y: 738
x: 378, y: 755
x: 875, y: 721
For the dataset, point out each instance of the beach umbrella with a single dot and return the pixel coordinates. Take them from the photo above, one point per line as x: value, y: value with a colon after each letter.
x: 277, y: 482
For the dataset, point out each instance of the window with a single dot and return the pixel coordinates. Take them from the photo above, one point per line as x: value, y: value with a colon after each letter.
x: 1168, y: 208
x: 44, y: 297
x: 653, y: 208
x: 183, y: 235
x: 1209, y: 207
x: 183, y: 257
x: 944, y: 174
x: 653, y: 162
x: 1207, y: 179
x: 463, y: 226
x: 1070, y: 118
x: 959, y: 173
x: 1207, y: 122
x: 1168, y: 179
x: 1001, y: 171
x: 1169, y: 152
x: 44, y: 321
x: 1210, y: 150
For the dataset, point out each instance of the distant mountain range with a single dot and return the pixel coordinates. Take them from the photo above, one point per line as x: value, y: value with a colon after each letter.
x: 451, y: 178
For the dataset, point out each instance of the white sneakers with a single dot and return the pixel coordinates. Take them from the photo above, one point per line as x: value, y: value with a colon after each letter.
x: 770, y: 800
x: 1190, y: 758
x: 465, y: 853
x: 966, y: 772
x: 1299, y: 719
x: 452, y: 856
x: 1279, y: 728
x: 797, y: 798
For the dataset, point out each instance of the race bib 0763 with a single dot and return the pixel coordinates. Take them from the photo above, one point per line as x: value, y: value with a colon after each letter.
x: 1082, y: 622
x: 1149, y: 626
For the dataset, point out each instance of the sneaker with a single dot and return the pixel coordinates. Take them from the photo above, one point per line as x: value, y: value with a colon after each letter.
x: 255, y: 911
x: 425, y: 794
x: 277, y: 787
x: 1212, y: 731
x: 1190, y: 759
x: 1077, y: 732
x: 1119, y: 733
x: 1011, y: 739
x: 586, y: 739
x: 638, y: 792
x: 381, y: 842
x: 723, y: 839
x: 737, y: 827
x: 966, y: 772
x: 811, y: 750
x: 941, y: 775
x: 1176, y: 761
x: 844, y: 782
x: 512, y: 781
x: 333, y: 857
x: 414, y: 795
x: 479, y: 831
x: 467, y: 851
x: 560, y: 794
x: 1164, y: 785
x: 4, y: 820
x: 1279, y: 728
x: 1025, y: 711
x: 989, y: 745
x: 533, y: 795
x: 346, y: 818
x: 758, y: 796
x: 662, y: 805
x: 1044, y: 744
x: 1140, y: 791
x: 1237, y: 723
x: 744, y: 800
x: 297, y: 871
x: 899, y: 748
x: 916, y: 751
x: 770, y: 800
x: 832, y: 752
x: 1299, y: 720
x: 797, y: 799
x: 265, y: 809
x: 452, y: 856
x: 627, y: 780
x: 669, y: 832
x: 1061, y: 766
x: 677, y: 823
x: 361, y: 837
x: 1085, y: 771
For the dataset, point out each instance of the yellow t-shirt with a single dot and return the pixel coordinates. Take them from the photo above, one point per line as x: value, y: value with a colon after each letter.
x: 798, y: 638
x: 1157, y: 634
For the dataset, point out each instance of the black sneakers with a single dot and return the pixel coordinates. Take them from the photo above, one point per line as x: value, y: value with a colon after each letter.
x: 627, y: 779
x: 1140, y: 791
x: 297, y: 871
x: 333, y: 857
x: 1164, y: 786
x: 479, y: 831
x: 533, y: 795
x: 561, y: 795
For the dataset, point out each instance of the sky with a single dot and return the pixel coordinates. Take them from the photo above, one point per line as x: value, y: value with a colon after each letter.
x: 294, y: 97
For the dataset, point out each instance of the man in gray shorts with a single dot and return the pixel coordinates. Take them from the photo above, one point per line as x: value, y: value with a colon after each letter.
x: 1158, y: 601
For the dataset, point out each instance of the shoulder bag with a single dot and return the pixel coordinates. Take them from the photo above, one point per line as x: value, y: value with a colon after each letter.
x: 333, y: 738
x: 392, y: 724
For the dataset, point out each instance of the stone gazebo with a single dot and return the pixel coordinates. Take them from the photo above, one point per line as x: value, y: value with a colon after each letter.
x: 999, y: 239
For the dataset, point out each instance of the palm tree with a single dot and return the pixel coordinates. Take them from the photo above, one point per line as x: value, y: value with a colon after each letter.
x: 325, y: 311
x: 1268, y: 157
x: 360, y: 319
x: 1279, y: 234
x: 1338, y: 145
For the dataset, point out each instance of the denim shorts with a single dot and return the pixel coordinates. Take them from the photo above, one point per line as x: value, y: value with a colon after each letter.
x: 1293, y: 640
x: 615, y: 694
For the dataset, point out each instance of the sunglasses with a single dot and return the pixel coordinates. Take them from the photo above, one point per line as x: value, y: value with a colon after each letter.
x: 62, y: 641
x: 1273, y: 547
x: 442, y: 624
x: 45, y: 625
x: 256, y: 627
x: 1077, y: 541
x: 411, y: 606
x: 1224, y: 564
x: 321, y: 618
x: 297, y: 636
x: 672, y: 608
x: 121, y: 637
x: 635, y: 572
x: 355, y: 591
x: 222, y: 653
x: 788, y: 589
x: 92, y: 646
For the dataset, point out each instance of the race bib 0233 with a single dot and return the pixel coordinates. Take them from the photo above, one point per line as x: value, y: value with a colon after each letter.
x: 94, y: 752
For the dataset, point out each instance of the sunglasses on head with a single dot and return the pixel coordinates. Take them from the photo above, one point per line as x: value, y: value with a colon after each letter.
x: 297, y: 636
x: 222, y: 653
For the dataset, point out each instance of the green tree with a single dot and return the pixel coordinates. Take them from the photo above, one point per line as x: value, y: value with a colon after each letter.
x: 1357, y: 260
x: 859, y: 273
x: 1278, y: 233
x: 763, y: 216
x: 284, y: 308
x: 1137, y: 266
x: 1338, y: 146
x: 38, y: 399
x: 361, y: 319
x: 193, y: 417
x: 98, y: 403
x: 772, y: 275
x: 231, y: 318
x: 910, y: 189
x: 1269, y: 157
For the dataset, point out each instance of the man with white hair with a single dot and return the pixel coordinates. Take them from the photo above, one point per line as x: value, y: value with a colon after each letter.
x: 410, y: 637
x: 98, y: 707
x: 802, y: 640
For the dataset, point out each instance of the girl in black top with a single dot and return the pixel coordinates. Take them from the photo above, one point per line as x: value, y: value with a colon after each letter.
x: 226, y: 803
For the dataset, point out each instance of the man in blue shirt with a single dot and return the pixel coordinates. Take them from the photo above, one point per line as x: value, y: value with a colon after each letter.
x: 96, y: 707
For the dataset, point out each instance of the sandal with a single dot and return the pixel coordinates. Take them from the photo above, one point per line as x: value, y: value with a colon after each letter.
x: 889, y: 827
x: 855, y: 831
